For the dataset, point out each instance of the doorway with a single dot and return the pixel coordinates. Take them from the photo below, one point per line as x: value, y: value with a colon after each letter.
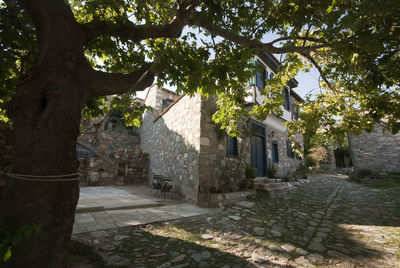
x: 258, y: 149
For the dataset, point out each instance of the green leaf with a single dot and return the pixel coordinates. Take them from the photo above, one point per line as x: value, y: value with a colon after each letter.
x: 7, y: 255
x: 330, y: 8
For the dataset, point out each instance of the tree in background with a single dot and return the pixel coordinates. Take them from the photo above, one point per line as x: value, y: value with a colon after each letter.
x: 60, y: 56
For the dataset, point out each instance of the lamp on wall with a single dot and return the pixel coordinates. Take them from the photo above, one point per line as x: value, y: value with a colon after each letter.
x: 272, y: 135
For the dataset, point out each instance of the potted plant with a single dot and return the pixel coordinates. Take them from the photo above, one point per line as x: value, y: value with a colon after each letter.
x: 271, y: 171
x: 121, y: 153
x: 145, y: 156
x: 251, y: 173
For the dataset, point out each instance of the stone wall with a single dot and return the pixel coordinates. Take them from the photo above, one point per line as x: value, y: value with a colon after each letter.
x: 173, y: 142
x: 115, y: 141
x: 154, y: 98
x: 331, y: 165
x: 218, y: 172
x: 184, y: 144
x: 115, y: 171
x: 286, y: 165
x: 378, y: 151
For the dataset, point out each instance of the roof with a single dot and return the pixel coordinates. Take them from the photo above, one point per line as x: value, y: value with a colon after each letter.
x: 274, y: 63
x: 296, y: 96
x: 140, y: 100
x: 162, y: 88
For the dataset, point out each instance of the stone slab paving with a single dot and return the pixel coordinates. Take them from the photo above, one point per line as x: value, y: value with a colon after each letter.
x: 326, y: 223
x: 110, y: 219
x: 108, y: 207
x: 114, y: 197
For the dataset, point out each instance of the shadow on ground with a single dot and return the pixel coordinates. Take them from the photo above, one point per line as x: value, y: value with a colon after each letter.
x: 332, y: 220
x: 328, y: 222
x: 139, y: 247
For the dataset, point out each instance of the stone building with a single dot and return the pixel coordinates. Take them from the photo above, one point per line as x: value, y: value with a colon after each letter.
x: 110, y: 154
x: 184, y: 144
x: 378, y: 151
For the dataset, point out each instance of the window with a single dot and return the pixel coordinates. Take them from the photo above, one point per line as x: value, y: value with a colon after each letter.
x: 290, y: 152
x: 166, y: 103
x: 231, y: 146
x: 252, y: 80
x: 261, y: 76
x: 275, y: 152
x: 286, y: 99
x: 271, y: 76
x: 295, y: 111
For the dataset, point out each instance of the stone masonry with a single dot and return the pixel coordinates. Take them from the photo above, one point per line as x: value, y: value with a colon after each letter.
x: 378, y: 151
x: 286, y: 165
x: 184, y: 144
x: 122, y: 171
x: 172, y: 139
x: 218, y: 172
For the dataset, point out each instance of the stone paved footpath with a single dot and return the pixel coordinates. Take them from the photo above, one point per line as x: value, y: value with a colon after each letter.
x: 328, y: 222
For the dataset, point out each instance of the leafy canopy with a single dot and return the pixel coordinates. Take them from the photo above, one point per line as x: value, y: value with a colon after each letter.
x: 354, y: 45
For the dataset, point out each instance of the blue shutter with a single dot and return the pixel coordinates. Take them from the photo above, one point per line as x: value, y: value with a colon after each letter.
x: 265, y: 77
x: 252, y: 79
x: 258, y: 76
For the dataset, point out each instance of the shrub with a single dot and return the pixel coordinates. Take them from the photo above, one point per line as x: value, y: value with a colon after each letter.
x: 251, y: 172
x: 271, y: 171
x: 309, y: 162
x: 320, y: 154
x: 301, y: 172
x: 364, y: 172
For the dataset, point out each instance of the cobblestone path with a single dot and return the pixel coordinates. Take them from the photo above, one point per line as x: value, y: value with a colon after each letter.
x: 328, y: 222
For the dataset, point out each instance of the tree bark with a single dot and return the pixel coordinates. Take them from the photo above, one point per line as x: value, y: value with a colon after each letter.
x: 46, y: 115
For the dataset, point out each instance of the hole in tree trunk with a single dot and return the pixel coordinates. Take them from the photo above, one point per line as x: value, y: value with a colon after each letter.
x: 43, y: 104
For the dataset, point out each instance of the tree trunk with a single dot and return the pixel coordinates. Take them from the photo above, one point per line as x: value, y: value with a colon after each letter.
x: 46, y: 115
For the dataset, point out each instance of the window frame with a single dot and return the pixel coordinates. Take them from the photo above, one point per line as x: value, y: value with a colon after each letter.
x: 286, y: 99
x: 228, y: 143
x: 275, y: 152
x: 166, y: 100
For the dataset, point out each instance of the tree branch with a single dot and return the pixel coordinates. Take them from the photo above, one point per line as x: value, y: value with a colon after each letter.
x: 57, y: 29
x: 129, y: 30
x: 251, y: 43
x: 41, y: 19
x: 305, y: 38
x: 103, y: 83
x: 321, y: 72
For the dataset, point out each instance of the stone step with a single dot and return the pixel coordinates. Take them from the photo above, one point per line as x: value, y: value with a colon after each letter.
x: 83, y: 209
x: 275, y: 186
x: 267, y: 180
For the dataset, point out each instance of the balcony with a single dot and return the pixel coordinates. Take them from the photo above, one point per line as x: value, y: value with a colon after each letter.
x: 255, y: 97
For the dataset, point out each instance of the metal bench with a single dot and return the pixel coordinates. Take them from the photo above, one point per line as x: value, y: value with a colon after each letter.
x: 163, y: 185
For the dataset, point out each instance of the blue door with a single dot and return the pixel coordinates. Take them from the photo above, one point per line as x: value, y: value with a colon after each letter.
x: 258, y: 150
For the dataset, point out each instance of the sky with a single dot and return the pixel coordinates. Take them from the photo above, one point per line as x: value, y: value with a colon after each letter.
x: 308, y: 83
